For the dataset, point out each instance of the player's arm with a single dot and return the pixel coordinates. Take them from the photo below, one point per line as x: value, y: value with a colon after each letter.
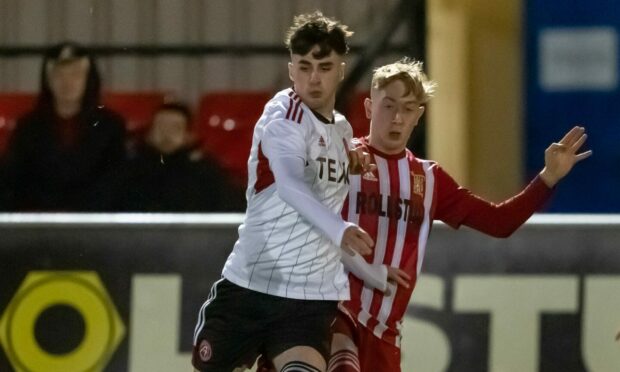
x: 458, y: 206
x: 288, y: 173
x: 376, y: 276
x: 284, y: 145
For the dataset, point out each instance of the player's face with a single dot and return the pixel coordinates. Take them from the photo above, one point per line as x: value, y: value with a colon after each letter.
x: 393, y: 115
x: 67, y: 80
x: 169, y: 131
x: 316, y: 80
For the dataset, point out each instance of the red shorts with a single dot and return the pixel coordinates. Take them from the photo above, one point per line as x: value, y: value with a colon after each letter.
x: 373, y: 353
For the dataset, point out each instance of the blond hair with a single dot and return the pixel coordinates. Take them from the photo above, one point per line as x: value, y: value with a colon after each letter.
x: 408, y: 71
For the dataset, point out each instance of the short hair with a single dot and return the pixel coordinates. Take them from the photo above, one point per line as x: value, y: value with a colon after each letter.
x: 313, y: 29
x: 178, y: 107
x: 408, y: 71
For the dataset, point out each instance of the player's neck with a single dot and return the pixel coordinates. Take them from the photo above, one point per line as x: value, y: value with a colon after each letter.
x: 323, y: 118
x: 385, y: 150
x: 327, y: 109
x: 326, y: 113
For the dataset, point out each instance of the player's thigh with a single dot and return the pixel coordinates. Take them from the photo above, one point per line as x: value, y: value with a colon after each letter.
x: 377, y: 355
x: 227, y: 334
x: 224, y: 349
x: 344, y: 331
x: 300, y: 359
x: 344, y: 351
x: 302, y: 330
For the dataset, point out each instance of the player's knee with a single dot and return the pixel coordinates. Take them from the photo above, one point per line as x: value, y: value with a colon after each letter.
x: 342, y: 342
x: 344, y: 361
x: 298, y: 366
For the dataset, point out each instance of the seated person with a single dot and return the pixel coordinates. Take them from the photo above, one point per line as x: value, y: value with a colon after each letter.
x: 168, y: 175
x: 61, y: 151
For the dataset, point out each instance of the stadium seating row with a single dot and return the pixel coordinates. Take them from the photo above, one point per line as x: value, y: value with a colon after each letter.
x: 136, y: 107
x: 224, y: 122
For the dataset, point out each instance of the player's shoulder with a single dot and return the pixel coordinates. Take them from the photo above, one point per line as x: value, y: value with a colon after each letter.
x: 285, y: 105
x: 426, y: 163
x: 340, y: 119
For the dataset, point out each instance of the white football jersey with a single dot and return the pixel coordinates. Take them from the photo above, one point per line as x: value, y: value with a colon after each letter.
x: 279, y: 252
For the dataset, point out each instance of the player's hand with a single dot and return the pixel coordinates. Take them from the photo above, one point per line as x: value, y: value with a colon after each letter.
x: 398, y: 276
x: 560, y: 157
x: 358, y: 240
x: 360, y: 162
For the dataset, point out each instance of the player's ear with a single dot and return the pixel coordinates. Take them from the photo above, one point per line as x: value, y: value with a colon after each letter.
x: 421, y: 110
x: 342, y: 67
x: 368, y: 107
x: 290, y: 71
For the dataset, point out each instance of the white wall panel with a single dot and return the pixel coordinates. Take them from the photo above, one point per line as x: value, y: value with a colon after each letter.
x: 165, y: 22
x: 32, y: 22
x: 122, y: 71
x: 8, y: 21
x: 218, y: 21
x: 79, y: 19
x: 170, y: 27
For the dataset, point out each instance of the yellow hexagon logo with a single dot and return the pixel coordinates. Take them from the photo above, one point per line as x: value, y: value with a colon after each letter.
x: 81, y: 291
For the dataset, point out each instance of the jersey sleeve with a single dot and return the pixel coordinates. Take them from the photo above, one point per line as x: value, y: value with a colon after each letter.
x: 348, y: 135
x: 374, y: 275
x: 284, y: 138
x: 286, y: 150
x: 458, y: 206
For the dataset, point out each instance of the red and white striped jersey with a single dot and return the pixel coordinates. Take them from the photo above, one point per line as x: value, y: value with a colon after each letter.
x: 396, y: 205
x: 280, y: 252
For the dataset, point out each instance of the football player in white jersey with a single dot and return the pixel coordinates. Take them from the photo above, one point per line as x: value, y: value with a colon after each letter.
x: 283, y: 280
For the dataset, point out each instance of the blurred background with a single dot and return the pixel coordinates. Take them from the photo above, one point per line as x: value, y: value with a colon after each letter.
x: 513, y: 75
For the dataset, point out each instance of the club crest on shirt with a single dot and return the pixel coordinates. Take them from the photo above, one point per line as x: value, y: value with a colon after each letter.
x: 205, y: 351
x: 418, y: 184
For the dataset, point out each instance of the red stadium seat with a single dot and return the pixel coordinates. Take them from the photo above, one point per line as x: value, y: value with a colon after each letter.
x: 136, y: 107
x: 225, y: 126
x: 357, y: 115
x: 12, y: 106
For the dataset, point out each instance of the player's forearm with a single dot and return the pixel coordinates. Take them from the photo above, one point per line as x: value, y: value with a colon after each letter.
x: 501, y: 220
x: 374, y: 276
x: 288, y: 174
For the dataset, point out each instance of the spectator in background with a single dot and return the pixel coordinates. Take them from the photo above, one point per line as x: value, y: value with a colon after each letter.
x: 63, y: 149
x: 168, y: 174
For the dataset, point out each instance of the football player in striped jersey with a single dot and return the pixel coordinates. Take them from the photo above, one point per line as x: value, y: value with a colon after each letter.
x: 397, y: 203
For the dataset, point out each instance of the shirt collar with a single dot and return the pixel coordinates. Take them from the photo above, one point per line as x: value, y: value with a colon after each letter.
x: 323, y: 118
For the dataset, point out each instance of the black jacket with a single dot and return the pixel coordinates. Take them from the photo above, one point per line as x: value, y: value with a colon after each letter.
x: 42, y: 175
x: 178, y: 182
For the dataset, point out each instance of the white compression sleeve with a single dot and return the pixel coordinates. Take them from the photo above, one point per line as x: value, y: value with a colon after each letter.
x: 289, y: 176
x: 372, y: 275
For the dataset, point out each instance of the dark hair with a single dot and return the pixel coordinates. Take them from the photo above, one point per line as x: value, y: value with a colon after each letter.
x: 177, y: 107
x: 62, y: 53
x: 313, y: 29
